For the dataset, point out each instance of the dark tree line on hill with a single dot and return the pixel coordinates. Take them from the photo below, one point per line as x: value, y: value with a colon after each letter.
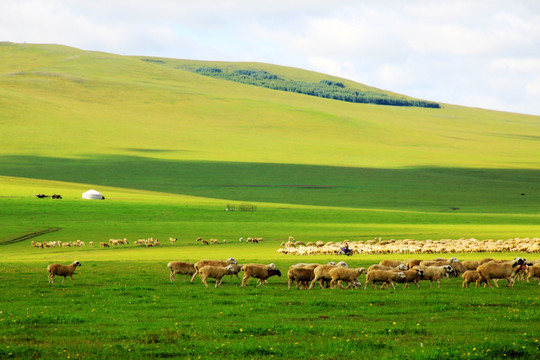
x: 325, y: 88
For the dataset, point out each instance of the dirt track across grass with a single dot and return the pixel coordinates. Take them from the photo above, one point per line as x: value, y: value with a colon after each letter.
x: 29, y: 236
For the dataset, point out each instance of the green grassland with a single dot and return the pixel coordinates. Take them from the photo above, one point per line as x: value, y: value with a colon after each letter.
x: 170, y: 149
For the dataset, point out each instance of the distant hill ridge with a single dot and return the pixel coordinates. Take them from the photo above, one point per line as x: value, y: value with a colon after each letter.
x: 326, y: 88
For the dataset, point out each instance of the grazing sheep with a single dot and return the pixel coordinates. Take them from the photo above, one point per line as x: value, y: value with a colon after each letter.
x: 471, y: 264
x: 470, y: 276
x: 217, y: 263
x: 392, y: 263
x: 91, y: 243
x: 180, y: 267
x: 104, y: 244
x: 322, y: 275
x: 384, y: 276
x: 62, y: 270
x: 173, y: 240
x: 533, y: 272
x: 258, y: 271
x: 350, y: 276
x: 435, y: 273
x: 300, y: 275
x: 214, y: 272
x: 501, y: 270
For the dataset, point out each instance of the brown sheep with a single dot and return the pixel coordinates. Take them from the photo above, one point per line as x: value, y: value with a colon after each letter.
x: 392, y: 263
x: 400, y: 267
x: 207, y: 262
x: 486, y: 260
x: 235, y: 269
x: 339, y: 274
x: 458, y: 268
x: 471, y: 264
x: 384, y: 276
x: 258, y: 271
x: 411, y: 276
x: 501, y: 270
x: 62, y: 270
x: 300, y: 275
x: 322, y: 274
x: 180, y: 267
x: 435, y: 273
x: 470, y: 276
x: 213, y: 272
x: 533, y: 272
x: 438, y: 262
x: 412, y: 263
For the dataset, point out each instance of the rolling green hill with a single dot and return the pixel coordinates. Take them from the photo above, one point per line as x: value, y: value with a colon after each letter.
x: 156, y: 124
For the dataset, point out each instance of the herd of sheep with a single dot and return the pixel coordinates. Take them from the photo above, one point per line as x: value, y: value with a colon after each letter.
x: 409, y: 246
x: 332, y: 275
x: 149, y: 242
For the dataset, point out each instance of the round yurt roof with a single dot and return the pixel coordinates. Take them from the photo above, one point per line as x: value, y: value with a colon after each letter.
x: 92, y: 194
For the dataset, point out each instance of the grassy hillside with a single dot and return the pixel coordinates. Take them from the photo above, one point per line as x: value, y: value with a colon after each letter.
x: 94, y: 118
x: 64, y: 102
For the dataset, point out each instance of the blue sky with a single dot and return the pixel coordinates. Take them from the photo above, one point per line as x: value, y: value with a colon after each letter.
x: 481, y: 53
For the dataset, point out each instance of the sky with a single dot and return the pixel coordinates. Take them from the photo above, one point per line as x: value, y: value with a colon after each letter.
x: 478, y: 53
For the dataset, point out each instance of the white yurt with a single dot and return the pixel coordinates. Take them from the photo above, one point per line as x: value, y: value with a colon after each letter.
x: 93, y: 195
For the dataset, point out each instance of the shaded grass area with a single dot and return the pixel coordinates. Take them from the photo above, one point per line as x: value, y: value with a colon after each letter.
x: 422, y: 189
x: 131, y: 310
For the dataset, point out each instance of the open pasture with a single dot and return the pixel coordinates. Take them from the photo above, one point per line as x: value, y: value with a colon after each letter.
x: 123, y: 305
x: 130, y: 309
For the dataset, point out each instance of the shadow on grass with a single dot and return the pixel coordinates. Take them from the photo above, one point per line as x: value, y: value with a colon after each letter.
x: 422, y: 188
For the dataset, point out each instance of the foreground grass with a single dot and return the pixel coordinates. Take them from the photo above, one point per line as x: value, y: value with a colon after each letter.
x: 131, y: 310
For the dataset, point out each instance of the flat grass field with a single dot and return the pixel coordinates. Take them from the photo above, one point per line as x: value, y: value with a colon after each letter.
x: 123, y: 304
x: 171, y: 149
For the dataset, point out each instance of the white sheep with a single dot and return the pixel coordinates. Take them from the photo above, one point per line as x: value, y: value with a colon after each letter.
x: 214, y: 272
x: 62, y: 270
x: 180, y: 267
